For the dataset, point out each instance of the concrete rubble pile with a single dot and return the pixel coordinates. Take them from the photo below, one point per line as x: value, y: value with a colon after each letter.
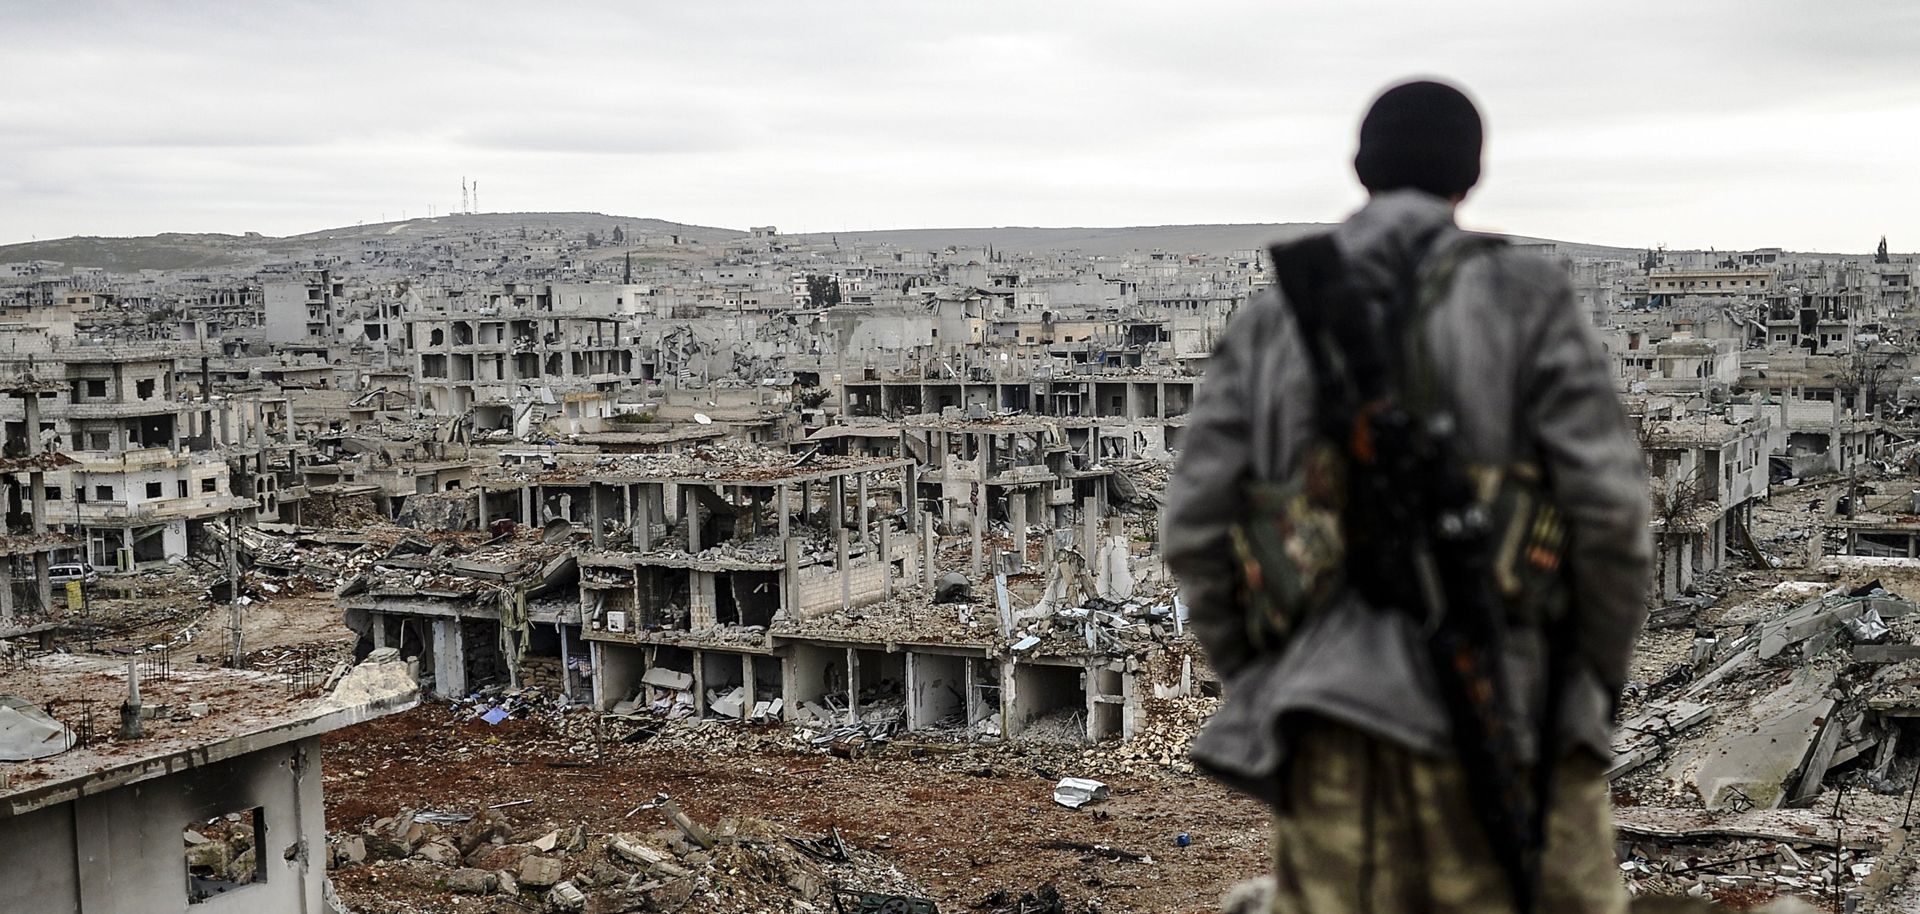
x: 495, y: 864
x: 1768, y: 756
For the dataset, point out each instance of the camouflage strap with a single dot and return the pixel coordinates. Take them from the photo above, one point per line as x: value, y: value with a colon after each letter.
x: 1420, y: 383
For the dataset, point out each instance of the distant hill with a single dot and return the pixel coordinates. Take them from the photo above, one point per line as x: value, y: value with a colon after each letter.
x: 129, y: 255
x: 571, y: 223
x: 1210, y: 239
x: 175, y: 251
x: 1218, y: 239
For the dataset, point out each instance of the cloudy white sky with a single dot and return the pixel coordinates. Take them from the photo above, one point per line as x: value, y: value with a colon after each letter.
x: 1698, y: 123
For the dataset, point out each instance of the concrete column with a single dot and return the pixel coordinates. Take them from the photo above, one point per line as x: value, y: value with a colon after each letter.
x: 6, y: 592
x: 910, y: 493
x: 595, y: 517
x: 861, y: 511
x: 746, y: 682
x: 1009, y: 695
x: 931, y: 539
x: 596, y: 680
x: 1090, y: 526
x: 853, y: 686
x: 699, y: 683
x: 789, y: 687
x: 566, y: 672
x: 449, y: 659
x: 979, y: 526
x: 690, y: 509
x: 840, y: 560
x: 885, y: 537
x: 970, y: 692
x: 790, y: 579
x: 912, y: 689
x: 837, y: 490
x: 1017, y: 504
x: 644, y: 516
x: 527, y: 516
x: 780, y: 507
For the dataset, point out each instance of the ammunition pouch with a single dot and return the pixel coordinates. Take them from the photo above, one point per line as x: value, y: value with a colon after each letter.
x: 1290, y: 547
x: 1291, y: 557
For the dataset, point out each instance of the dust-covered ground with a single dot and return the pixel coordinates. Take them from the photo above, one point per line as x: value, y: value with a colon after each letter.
x: 960, y: 823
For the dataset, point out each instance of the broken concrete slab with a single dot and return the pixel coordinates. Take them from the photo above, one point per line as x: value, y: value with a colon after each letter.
x: 1807, y: 827
x: 1753, y: 766
x: 671, y: 680
x: 539, y: 872
x: 731, y: 704
x: 631, y: 849
x: 1644, y: 737
x: 469, y: 881
x: 28, y: 733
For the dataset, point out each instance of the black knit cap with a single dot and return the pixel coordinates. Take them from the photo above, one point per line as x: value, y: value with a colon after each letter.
x: 1424, y: 135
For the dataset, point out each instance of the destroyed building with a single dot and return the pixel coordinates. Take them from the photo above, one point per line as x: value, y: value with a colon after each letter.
x: 682, y: 482
x: 144, y: 785
x: 146, y: 477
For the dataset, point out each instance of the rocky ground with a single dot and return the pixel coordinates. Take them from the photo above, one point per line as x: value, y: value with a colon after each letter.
x: 961, y: 826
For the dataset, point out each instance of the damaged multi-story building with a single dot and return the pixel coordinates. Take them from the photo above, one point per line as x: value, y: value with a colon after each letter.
x: 865, y: 487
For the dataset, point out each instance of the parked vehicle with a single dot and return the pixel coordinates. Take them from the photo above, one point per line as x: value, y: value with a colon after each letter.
x: 67, y: 572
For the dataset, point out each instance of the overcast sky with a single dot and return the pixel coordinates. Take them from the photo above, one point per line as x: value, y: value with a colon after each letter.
x: 1690, y: 124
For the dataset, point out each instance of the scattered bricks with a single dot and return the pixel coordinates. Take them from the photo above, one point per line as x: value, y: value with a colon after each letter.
x: 413, y: 834
x: 674, y: 895
x: 499, y: 857
x: 469, y: 881
x: 483, y: 829
x: 600, y: 874
x: 505, y: 884
x: 539, y: 872
x: 350, y: 850
x: 804, y: 884
x: 383, y: 848
x: 565, y: 897
x: 441, y: 851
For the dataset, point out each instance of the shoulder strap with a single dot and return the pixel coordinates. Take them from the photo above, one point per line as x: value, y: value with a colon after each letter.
x: 1311, y: 274
x: 1421, y: 393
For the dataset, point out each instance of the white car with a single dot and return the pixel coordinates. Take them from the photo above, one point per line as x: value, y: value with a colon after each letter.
x: 66, y: 572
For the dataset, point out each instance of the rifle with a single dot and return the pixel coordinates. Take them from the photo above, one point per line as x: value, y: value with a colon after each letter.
x: 1412, y: 502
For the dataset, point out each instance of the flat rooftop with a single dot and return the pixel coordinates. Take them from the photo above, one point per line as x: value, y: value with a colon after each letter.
x: 708, y: 465
x: 194, y: 715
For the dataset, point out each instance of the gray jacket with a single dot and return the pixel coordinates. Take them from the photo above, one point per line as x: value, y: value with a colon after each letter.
x: 1523, y: 371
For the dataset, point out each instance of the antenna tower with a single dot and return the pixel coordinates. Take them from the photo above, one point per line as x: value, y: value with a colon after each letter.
x: 463, y: 195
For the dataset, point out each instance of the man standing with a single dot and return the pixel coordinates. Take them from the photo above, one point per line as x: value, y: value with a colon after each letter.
x: 1344, y: 727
